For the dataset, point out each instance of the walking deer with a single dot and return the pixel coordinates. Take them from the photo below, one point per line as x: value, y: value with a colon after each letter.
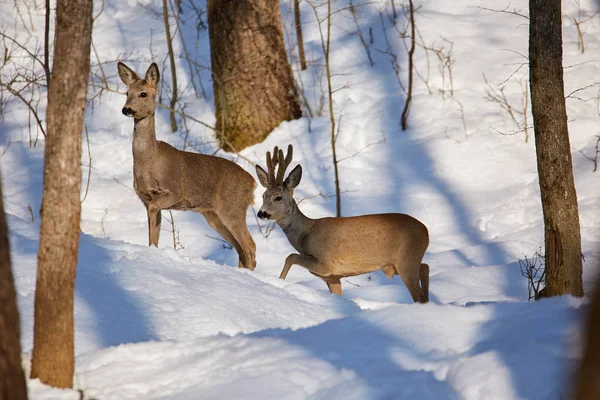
x: 334, y: 248
x: 165, y: 178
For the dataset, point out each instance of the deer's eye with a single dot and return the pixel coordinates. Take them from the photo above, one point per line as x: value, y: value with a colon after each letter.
x: 278, y: 198
x: 143, y: 95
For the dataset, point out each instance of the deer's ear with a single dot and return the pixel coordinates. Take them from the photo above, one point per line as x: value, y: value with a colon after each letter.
x: 126, y: 74
x: 293, y: 179
x: 152, y: 75
x: 262, y: 175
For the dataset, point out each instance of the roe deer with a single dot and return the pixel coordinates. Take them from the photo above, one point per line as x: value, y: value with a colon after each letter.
x: 334, y: 248
x: 169, y: 179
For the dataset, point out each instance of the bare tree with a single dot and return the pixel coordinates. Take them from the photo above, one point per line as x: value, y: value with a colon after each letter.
x: 559, y: 199
x: 12, y: 378
x: 253, y: 84
x: 53, y: 348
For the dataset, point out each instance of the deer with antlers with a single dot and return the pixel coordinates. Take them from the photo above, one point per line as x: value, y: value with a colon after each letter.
x: 166, y: 178
x: 334, y: 248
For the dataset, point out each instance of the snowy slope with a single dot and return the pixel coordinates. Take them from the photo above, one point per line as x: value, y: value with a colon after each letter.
x: 186, y: 324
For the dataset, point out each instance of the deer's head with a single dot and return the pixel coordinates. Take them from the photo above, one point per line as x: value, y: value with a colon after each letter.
x: 278, y: 199
x: 141, y: 93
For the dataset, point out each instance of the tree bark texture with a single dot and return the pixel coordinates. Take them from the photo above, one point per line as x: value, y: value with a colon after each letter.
x: 559, y: 199
x: 253, y: 84
x: 53, y: 348
x: 12, y: 378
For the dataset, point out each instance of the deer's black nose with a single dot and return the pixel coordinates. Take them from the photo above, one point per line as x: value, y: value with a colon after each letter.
x: 263, y: 215
x: 127, y: 111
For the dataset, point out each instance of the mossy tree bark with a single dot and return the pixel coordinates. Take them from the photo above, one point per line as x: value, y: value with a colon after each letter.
x: 555, y: 170
x: 253, y: 83
x: 53, y: 348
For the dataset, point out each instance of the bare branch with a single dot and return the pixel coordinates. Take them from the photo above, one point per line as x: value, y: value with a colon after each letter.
x: 504, y: 11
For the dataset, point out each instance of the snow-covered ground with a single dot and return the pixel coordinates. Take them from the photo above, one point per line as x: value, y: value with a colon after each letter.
x: 187, y: 324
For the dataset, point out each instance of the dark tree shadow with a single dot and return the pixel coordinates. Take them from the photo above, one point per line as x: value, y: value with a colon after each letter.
x: 354, y: 344
x: 120, y: 317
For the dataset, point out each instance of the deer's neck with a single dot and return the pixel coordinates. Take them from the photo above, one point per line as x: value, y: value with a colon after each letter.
x: 144, y: 137
x: 296, y: 226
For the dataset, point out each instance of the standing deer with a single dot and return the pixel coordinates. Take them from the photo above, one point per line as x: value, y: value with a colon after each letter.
x: 165, y: 178
x: 334, y: 248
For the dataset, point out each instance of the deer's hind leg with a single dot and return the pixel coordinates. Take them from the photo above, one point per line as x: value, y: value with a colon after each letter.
x: 235, y: 223
x: 242, y: 235
x: 411, y: 275
x: 215, y: 222
x: 424, y: 278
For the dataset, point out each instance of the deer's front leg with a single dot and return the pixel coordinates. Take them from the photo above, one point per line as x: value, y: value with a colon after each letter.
x: 308, y: 262
x: 160, y: 202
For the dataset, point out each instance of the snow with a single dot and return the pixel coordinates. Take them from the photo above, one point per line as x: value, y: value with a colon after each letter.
x: 187, y: 324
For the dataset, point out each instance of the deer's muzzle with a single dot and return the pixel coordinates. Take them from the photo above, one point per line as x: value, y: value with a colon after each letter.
x: 263, y: 215
x: 127, y: 111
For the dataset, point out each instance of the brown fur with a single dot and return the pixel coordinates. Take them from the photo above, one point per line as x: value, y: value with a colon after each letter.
x: 333, y: 248
x: 166, y: 178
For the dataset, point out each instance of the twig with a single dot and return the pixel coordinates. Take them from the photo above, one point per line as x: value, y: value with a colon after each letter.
x: 525, y: 110
x: 570, y: 95
x: 462, y: 113
x: 30, y: 212
x: 595, y: 158
x: 33, y: 56
x: 102, y: 221
x: 299, y: 36
x: 28, y: 104
x: 362, y: 149
x: 504, y: 133
x: 359, y: 33
x: 505, y: 11
x: 87, y: 186
x: 411, y: 52
x: 47, y: 43
x: 352, y: 283
x: 188, y: 58
x: 172, y: 61
x: 225, y: 243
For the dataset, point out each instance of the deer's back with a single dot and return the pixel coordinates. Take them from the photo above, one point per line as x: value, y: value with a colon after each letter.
x: 366, y: 243
x: 202, y: 181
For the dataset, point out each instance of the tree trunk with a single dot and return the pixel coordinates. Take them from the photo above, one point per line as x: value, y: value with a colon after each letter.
x: 559, y: 199
x: 12, y: 378
x: 253, y: 84
x: 53, y: 348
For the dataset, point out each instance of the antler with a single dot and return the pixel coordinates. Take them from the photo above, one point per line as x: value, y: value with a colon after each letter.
x: 284, y: 163
x: 271, y: 164
x: 274, y: 160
